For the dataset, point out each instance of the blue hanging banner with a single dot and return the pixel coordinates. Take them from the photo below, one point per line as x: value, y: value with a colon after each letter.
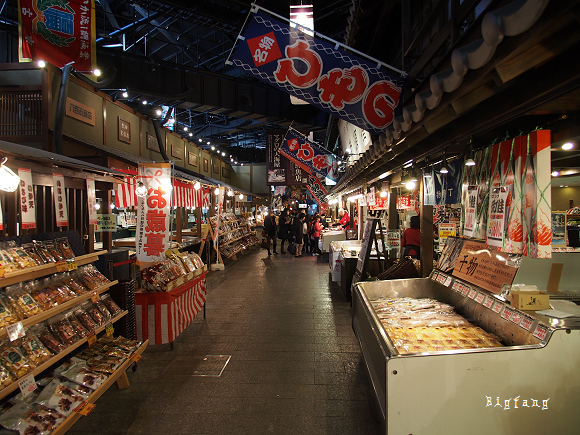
x: 318, y: 70
x: 441, y: 189
x: 310, y: 157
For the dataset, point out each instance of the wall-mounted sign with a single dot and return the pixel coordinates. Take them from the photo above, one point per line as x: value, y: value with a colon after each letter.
x: 80, y: 111
x: 226, y: 172
x: 27, y: 203
x: 152, y: 143
x: 205, y: 165
x: 124, y: 131
x: 177, y: 152
x: 192, y: 158
x: 216, y: 168
x: 59, y: 195
x: 106, y: 223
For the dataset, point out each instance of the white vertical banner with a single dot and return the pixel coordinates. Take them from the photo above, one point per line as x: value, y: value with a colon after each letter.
x: 152, y: 238
x: 59, y: 195
x: 496, y: 221
x: 1, y: 217
x: 470, y: 211
x: 91, y: 195
x: 27, y: 202
x: 220, y: 209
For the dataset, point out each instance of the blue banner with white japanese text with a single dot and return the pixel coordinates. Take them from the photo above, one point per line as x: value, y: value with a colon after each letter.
x: 441, y: 189
x: 319, y: 71
x: 310, y: 157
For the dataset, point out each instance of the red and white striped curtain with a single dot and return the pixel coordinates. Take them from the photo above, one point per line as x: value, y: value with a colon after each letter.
x: 125, y: 192
x: 185, y: 195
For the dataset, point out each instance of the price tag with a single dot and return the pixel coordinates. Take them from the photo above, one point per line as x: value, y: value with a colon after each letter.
x: 465, y: 290
x: 85, y: 408
x: 507, y: 313
x: 136, y: 357
x: 27, y: 385
x: 72, y: 265
x: 472, y: 294
x: 456, y: 286
x: 488, y: 302
x: 541, y: 332
x: 526, y: 322
x: 92, y: 338
x: 95, y: 298
x: 497, y: 306
x: 14, y: 331
x: 448, y: 281
x: 516, y: 317
x: 433, y: 275
x: 480, y: 297
x: 1, y: 271
x: 109, y: 328
x: 61, y: 266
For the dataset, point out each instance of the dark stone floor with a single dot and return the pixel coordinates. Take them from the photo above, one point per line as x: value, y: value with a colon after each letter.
x: 295, y: 366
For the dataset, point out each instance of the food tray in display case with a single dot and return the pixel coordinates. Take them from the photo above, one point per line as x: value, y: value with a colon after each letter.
x: 530, y: 385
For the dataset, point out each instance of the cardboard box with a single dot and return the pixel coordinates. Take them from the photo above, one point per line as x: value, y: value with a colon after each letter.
x: 530, y: 300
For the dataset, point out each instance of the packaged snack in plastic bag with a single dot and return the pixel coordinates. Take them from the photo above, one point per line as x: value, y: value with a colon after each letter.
x: 64, y: 247
x: 73, y: 284
x: 85, y: 319
x: 14, y: 359
x: 80, y: 374
x: 53, y: 250
x: 22, y: 302
x: 34, y: 348
x: 48, y: 339
x: 63, y: 330
x: 43, y: 252
x: 6, y: 377
x: 111, y: 305
x: 31, y: 251
x: 94, y: 312
x: 7, y: 314
x: 103, y: 309
x: 42, y: 293
x: 76, y: 324
x: 64, y: 396
x: 32, y: 419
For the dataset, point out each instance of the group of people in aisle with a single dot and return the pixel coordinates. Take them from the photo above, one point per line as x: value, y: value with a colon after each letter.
x: 301, y: 231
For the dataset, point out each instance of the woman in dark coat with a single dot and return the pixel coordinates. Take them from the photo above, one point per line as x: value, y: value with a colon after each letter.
x: 284, y: 229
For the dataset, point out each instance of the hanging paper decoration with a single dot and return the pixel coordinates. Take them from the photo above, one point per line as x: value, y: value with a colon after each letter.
x: 58, y: 31
x: 125, y: 196
x: 59, y: 195
x: 322, y: 72
x: 91, y: 197
x: 27, y: 202
x: 440, y: 189
x: 185, y: 195
x: 154, y: 212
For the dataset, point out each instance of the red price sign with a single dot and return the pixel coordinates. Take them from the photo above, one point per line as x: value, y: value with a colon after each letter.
x: 541, y: 332
x: 516, y: 317
x: 497, y: 306
x: 480, y: 297
x: 465, y: 290
x: 526, y: 322
x: 456, y: 286
x: 507, y: 313
x: 472, y: 294
x: 85, y: 408
x: 488, y: 302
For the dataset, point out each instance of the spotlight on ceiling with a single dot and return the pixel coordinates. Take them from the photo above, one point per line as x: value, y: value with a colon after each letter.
x: 568, y: 146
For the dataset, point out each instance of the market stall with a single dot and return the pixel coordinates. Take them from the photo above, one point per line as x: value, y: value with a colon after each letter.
x: 330, y: 235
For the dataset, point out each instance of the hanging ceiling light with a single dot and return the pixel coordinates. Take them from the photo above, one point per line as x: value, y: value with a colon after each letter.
x: 41, y: 63
x: 197, y: 185
x: 9, y: 181
x: 568, y: 146
x: 384, y: 193
x: 444, y: 169
x: 230, y: 192
x: 241, y: 196
x: 141, y: 190
x: 470, y: 155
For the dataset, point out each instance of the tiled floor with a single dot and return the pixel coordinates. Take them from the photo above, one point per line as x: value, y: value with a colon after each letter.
x: 295, y: 366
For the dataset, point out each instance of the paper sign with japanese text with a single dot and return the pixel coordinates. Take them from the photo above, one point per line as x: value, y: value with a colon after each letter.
x: 27, y: 202
x: 91, y: 196
x: 496, y: 222
x: 371, y: 197
x: 353, y: 87
x: 445, y: 230
x: 106, y: 223
x: 59, y: 32
x: 154, y: 212
x: 488, y: 269
x: 470, y: 211
x: 59, y: 195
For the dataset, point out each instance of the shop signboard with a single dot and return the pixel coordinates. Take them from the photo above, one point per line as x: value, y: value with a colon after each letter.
x: 486, y: 268
x: 318, y: 192
x: 58, y: 32
x: 280, y: 170
x: 106, y: 223
x: 470, y: 212
x: 91, y: 197
x: 27, y: 202
x: 404, y: 203
x: 154, y: 212
x: 60, y: 205
x: 353, y: 87
x: 380, y: 203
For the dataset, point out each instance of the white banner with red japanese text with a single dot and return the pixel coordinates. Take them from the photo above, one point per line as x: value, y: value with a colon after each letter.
x: 154, y: 212
x: 59, y: 195
x: 92, y: 200
x: 27, y: 202
x: 471, y: 212
x: 220, y: 209
x: 318, y: 70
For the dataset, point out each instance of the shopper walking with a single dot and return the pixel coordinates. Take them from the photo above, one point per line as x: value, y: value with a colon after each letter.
x: 316, y: 230
x: 284, y: 228
x: 305, y: 232
x: 270, y: 230
x: 298, y: 233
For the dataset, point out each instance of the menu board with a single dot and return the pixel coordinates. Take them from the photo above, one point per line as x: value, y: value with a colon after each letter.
x: 365, y: 251
x: 488, y: 269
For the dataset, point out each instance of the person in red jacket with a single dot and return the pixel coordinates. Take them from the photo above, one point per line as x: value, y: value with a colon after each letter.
x: 316, y: 229
x: 412, y: 239
x: 344, y: 218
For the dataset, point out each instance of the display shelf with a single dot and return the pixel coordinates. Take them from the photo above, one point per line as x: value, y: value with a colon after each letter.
x: 119, y: 376
x: 14, y: 385
x: 40, y: 317
x: 45, y: 269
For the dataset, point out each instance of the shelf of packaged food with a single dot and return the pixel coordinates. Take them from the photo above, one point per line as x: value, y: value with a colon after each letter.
x: 53, y: 360
x: 44, y: 269
x: 221, y: 233
x: 42, y: 316
x: 232, y: 241
x: 119, y: 376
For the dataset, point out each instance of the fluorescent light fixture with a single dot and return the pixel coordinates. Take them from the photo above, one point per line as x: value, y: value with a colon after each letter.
x: 383, y: 175
x: 555, y: 173
x: 112, y: 45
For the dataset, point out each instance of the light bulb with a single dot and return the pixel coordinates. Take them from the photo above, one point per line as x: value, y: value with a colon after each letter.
x: 158, y: 112
x: 411, y: 185
x: 112, y: 206
x: 555, y: 173
x: 41, y: 63
x: 97, y: 206
x: 568, y: 146
x: 470, y: 162
x: 241, y: 196
x: 217, y: 190
x: 383, y: 193
x: 97, y: 72
x: 144, y: 102
x: 230, y: 192
x: 223, y: 153
x: 197, y: 185
x: 125, y: 94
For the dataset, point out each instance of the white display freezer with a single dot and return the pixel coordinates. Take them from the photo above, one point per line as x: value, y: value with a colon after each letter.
x: 529, y: 386
x: 335, y: 256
